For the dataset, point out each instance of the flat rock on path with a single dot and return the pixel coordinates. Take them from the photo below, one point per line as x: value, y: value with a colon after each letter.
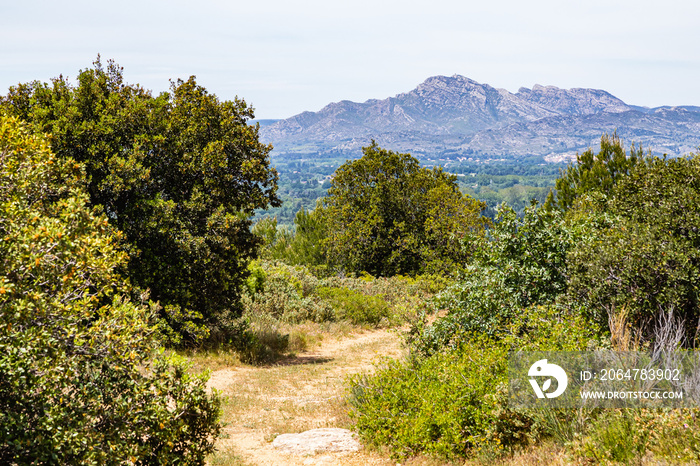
x: 316, y: 441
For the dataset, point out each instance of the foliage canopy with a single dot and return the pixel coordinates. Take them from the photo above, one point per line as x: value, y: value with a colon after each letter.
x: 642, y: 255
x: 303, y: 246
x: 179, y: 174
x: 79, y: 380
x: 387, y: 215
x: 594, y: 172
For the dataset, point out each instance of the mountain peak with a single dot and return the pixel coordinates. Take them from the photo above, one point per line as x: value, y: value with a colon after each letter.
x: 454, y: 83
x: 457, y: 115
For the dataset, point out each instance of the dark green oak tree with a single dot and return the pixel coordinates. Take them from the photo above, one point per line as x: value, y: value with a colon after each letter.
x: 387, y: 215
x: 642, y: 254
x: 180, y: 174
x: 81, y: 377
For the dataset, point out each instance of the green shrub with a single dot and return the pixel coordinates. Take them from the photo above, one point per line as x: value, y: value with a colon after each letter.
x: 407, y: 297
x: 552, y: 327
x: 666, y: 436
x: 643, y: 254
x: 594, y: 172
x: 529, y: 252
x: 300, y: 246
x: 390, y: 288
x: 451, y: 400
x: 81, y: 378
x: 293, y: 294
x: 355, y: 307
x: 255, y: 282
x: 521, y: 264
x: 480, y: 303
x: 614, y: 437
x: 555, y: 327
x: 287, y: 293
x: 451, y: 405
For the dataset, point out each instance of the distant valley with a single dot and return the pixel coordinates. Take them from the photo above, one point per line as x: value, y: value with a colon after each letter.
x: 456, y: 118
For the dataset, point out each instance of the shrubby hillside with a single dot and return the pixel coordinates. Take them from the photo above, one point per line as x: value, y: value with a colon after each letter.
x: 607, y: 261
x: 126, y: 221
x: 610, y: 261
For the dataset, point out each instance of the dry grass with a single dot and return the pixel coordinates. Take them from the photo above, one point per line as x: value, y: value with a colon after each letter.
x: 302, y: 337
x: 212, y: 360
x: 298, y: 393
x: 622, y: 337
x: 227, y: 457
x: 282, y: 399
x: 307, y: 391
x: 545, y: 454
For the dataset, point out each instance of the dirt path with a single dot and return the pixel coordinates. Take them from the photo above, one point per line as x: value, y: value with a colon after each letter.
x: 299, y: 394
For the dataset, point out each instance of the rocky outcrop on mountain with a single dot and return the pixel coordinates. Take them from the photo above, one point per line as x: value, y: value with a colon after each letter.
x: 573, y: 101
x: 667, y: 131
x: 449, y: 117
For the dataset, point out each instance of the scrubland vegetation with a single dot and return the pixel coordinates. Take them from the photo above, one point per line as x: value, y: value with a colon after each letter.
x: 608, y: 261
x: 128, y: 239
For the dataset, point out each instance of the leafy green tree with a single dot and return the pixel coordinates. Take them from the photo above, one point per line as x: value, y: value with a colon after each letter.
x: 301, y: 246
x: 306, y: 246
x: 180, y: 174
x: 643, y: 255
x: 522, y: 263
x: 531, y: 252
x: 274, y: 238
x: 594, y: 172
x: 80, y: 379
x: 387, y: 215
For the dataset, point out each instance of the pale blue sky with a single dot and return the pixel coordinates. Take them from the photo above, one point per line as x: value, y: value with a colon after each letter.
x: 286, y: 57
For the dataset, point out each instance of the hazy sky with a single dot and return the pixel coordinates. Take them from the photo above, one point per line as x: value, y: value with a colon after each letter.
x: 286, y: 56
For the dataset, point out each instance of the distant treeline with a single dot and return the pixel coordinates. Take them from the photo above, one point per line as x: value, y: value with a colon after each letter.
x: 303, y: 181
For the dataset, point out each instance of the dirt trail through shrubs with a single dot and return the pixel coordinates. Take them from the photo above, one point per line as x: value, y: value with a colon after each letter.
x: 297, y: 394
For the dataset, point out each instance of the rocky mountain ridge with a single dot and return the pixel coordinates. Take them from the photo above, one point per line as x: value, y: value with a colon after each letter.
x: 454, y: 117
